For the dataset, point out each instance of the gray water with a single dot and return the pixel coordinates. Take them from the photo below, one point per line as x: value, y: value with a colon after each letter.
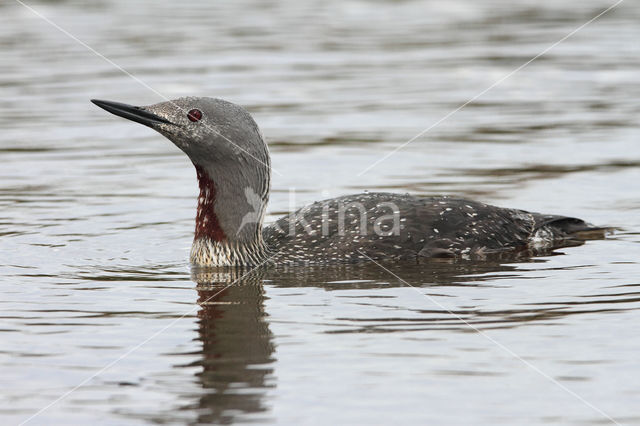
x: 104, y: 323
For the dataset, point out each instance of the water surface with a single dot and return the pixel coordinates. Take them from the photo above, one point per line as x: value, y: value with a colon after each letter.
x: 96, y: 214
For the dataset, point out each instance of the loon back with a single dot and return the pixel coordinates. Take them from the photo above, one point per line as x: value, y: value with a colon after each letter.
x: 338, y: 230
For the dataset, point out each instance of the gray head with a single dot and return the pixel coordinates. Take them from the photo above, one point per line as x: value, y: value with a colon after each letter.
x: 229, y: 153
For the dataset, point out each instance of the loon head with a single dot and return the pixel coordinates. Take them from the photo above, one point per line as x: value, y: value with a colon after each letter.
x: 231, y: 159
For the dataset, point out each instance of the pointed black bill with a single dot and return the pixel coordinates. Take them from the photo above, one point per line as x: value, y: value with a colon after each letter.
x: 131, y: 112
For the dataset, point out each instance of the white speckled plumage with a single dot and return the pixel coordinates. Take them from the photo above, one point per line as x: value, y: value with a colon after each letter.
x: 430, y: 227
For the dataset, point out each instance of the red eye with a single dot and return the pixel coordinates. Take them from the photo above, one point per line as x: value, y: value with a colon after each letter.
x: 194, y: 115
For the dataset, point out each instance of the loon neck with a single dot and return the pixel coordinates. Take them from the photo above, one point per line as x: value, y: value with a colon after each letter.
x: 219, y: 240
x: 207, y: 223
x: 206, y: 252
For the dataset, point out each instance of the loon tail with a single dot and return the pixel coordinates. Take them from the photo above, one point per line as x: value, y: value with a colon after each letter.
x: 571, y: 227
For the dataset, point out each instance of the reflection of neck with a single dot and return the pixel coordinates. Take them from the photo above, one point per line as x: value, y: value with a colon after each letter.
x: 212, y: 246
x: 236, y: 347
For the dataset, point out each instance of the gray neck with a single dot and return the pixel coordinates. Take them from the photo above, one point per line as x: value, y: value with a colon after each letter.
x: 231, y: 208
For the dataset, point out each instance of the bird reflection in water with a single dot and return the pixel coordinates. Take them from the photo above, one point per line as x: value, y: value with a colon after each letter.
x: 237, y: 346
x: 238, y: 350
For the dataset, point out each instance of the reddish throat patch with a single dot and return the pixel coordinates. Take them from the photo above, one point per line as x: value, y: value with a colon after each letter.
x: 207, y: 224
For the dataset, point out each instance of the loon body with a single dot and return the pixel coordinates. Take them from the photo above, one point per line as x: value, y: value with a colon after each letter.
x: 433, y: 227
x: 233, y: 169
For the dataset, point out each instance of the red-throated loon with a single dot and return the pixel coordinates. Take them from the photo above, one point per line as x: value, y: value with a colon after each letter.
x: 233, y: 168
